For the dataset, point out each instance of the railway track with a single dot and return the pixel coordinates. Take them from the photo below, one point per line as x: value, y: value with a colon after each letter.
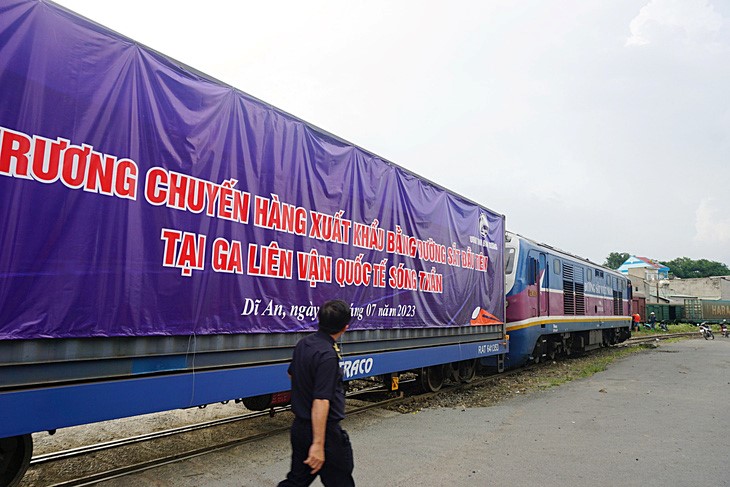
x: 92, y: 479
x: 98, y: 447
x: 69, y: 460
x: 84, y: 459
x: 659, y: 337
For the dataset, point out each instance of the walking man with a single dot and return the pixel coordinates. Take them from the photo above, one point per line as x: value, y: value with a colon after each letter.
x: 319, y: 445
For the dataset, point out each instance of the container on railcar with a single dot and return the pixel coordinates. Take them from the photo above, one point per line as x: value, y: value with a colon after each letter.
x: 168, y: 238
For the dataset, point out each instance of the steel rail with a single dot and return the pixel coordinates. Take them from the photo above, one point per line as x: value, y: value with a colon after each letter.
x: 107, y: 445
x: 664, y: 336
x: 146, y: 465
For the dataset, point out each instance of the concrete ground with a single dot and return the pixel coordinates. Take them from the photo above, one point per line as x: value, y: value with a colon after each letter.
x: 656, y: 418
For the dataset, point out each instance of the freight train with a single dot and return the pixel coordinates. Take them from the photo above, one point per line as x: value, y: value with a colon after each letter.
x: 692, y: 310
x: 167, y: 239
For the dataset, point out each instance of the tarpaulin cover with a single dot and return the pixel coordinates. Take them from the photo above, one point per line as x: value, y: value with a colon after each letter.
x: 139, y: 197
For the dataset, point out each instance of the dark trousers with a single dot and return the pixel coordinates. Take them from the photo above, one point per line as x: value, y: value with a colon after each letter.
x: 338, y: 461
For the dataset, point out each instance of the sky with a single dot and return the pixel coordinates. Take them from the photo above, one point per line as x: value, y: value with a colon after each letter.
x: 595, y: 127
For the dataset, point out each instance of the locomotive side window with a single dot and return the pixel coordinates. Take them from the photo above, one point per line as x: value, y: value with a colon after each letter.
x: 533, y: 269
x: 556, y: 266
x: 509, y: 264
x: 618, y: 297
x: 629, y: 293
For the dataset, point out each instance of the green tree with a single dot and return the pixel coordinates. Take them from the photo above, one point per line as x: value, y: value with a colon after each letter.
x: 684, y: 267
x: 615, y: 259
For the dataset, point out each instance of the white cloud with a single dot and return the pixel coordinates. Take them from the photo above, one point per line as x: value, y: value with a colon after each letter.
x: 712, y: 222
x: 696, y: 18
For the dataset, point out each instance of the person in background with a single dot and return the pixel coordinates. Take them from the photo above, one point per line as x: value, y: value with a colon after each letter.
x: 319, y: 445
x: 652, y: 320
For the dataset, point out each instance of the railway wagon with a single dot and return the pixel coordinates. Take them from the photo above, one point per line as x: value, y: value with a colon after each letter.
x: 710, y: 310
x: 638, y: 305
x: 670, y: 313
x: 558, y: 303
x: 167, y: 239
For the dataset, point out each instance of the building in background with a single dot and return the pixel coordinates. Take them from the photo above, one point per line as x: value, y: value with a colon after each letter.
x: 651, y: 268
x: 673, y: 299
x: 649, y: 280
x: 710, y: 288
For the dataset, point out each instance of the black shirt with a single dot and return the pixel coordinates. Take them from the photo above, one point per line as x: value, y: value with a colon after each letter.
x: 315, y: 371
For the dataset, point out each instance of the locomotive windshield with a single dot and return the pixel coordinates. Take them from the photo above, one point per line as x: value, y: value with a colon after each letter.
x: 509, y: 261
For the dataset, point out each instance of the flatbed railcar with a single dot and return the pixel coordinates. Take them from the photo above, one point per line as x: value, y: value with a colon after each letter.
x: 558, y: 303
x: 167, y: 239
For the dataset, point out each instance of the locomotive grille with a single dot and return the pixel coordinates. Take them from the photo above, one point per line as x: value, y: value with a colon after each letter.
x: 574, y: 301
x: 568, y: 294
x: 580, y: 299
x: 568, y: 298
x: 568, y: 272
x: 617, y: 298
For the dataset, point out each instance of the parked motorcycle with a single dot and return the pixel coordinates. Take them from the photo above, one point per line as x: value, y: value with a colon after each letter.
x: 706, y: 331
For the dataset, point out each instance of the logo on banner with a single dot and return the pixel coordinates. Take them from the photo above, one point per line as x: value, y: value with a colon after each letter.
x: 481, y: 316
x: 483, y: 226
x: 483, y: 238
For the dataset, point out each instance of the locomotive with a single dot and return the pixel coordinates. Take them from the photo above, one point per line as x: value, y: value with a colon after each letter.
x: 559, y: 303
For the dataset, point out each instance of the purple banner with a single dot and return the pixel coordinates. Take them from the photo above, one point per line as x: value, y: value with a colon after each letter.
x: 141, y: 198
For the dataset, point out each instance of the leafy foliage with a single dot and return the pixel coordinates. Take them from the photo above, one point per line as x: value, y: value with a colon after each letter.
x: 684, y: 267
x: 615, y: 259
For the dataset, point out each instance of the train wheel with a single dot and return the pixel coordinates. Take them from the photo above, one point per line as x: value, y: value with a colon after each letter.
x: 552, y: 353
x: 568, y: 346
x: 537, y: 352
x: 467, y: 370
x: 257, y: 403
x: 15, y: 453
x: 432, y: 378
